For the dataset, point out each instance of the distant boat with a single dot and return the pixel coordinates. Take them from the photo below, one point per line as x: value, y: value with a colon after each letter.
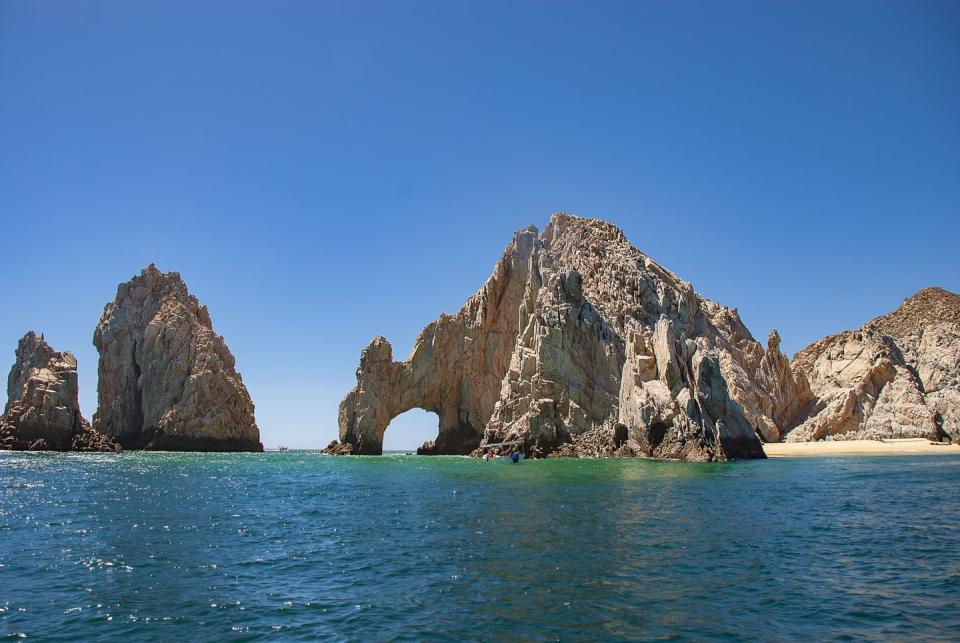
x: 282, y: 448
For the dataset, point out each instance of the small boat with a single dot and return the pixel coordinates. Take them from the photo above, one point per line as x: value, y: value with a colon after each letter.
x: 514, y: 456
x: 282, y: 448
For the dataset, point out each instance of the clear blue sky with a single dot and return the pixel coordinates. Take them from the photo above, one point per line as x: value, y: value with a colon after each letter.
x: 324, y: 172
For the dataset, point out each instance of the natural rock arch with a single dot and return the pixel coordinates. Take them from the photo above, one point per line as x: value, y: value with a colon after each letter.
x: 455, y: 369
x: 390, y: 389
x: 413, y: 430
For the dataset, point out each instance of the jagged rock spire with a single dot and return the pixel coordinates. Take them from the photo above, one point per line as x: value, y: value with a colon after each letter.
x: 42, y: 410
x: 166, y: 379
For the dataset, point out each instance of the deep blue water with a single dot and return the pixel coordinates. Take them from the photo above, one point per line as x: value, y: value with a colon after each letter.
x: 299, y: 546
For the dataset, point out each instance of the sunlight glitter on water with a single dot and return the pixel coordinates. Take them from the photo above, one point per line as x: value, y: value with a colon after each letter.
x: 188, y: 546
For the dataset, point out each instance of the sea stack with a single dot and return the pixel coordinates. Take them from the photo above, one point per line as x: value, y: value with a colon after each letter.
x: 579, y: 344
x: 167, y: 380
x: 42, y: 411
x: 898, y: 376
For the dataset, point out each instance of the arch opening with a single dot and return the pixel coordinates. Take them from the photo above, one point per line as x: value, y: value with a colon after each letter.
x: 409, y: 431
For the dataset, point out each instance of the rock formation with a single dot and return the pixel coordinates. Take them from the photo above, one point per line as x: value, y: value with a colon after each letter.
x: 167, y: 380
x: 42, y: 411
x: 337, y: 448
x: 897, y: 376
x: 580, y: 344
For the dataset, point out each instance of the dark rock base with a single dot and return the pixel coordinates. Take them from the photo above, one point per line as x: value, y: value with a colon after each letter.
x: 163, y: 442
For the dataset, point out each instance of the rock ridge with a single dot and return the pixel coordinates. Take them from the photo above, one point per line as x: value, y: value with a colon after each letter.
x: 898, y: 376
x: 579, y: 343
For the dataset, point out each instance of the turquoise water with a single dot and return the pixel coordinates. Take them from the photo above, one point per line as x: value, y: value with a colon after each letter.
x: 299, y: 546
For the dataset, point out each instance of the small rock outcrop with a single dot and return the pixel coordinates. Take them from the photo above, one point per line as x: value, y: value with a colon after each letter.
x: 42, y: 411
x: 167, y: 380
x: 336, y: 448
x: 427, y: 448
x: 896, y: 377
x: 579, y: 344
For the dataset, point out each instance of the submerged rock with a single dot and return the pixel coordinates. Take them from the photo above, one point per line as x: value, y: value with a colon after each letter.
x: 43, y: 411
x: 167, y: 380
x: 579, y: 344
x: 896, y: 377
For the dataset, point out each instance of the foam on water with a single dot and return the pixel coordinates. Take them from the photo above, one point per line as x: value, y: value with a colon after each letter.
x: 244, y: 546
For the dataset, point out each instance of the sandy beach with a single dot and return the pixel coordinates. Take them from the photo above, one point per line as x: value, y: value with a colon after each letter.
x: 917, y: 446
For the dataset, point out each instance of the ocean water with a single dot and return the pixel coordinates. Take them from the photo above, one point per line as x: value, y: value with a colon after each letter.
x: 154, y: 546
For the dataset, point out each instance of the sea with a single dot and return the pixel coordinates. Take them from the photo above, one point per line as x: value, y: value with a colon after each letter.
x: 300, y: 546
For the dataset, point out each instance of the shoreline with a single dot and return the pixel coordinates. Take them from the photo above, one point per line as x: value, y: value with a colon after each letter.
x: 825, y: 448
x: 912, y: 446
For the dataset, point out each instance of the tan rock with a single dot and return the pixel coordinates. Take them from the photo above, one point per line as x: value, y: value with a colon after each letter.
x: 167, y: 380
x: 776, y: 395
x: 898, y: 376
x: 456, y: 366
x: 427, y: 448
x: 42, y: 410
x: 335, y: 448
x: 580, y: 344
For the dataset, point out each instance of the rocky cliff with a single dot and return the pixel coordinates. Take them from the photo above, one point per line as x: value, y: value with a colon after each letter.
x: 167, y: 381
x: 897, y: 376
x: 580, y: 344
x: 42, y: 410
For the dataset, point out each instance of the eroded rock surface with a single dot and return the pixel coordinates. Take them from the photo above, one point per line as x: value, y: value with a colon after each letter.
x: 42, y: 410
x: 167, y: 380
x: 579, y: 344
x: 897, y: 376
x: 336, y: 448
x: 455, y: 369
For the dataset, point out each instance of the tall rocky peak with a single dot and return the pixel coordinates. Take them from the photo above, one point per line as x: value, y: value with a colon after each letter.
x: 167, y: 381
x: 43, y: 411
x: 581, y: 344
x: 897, y: 376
